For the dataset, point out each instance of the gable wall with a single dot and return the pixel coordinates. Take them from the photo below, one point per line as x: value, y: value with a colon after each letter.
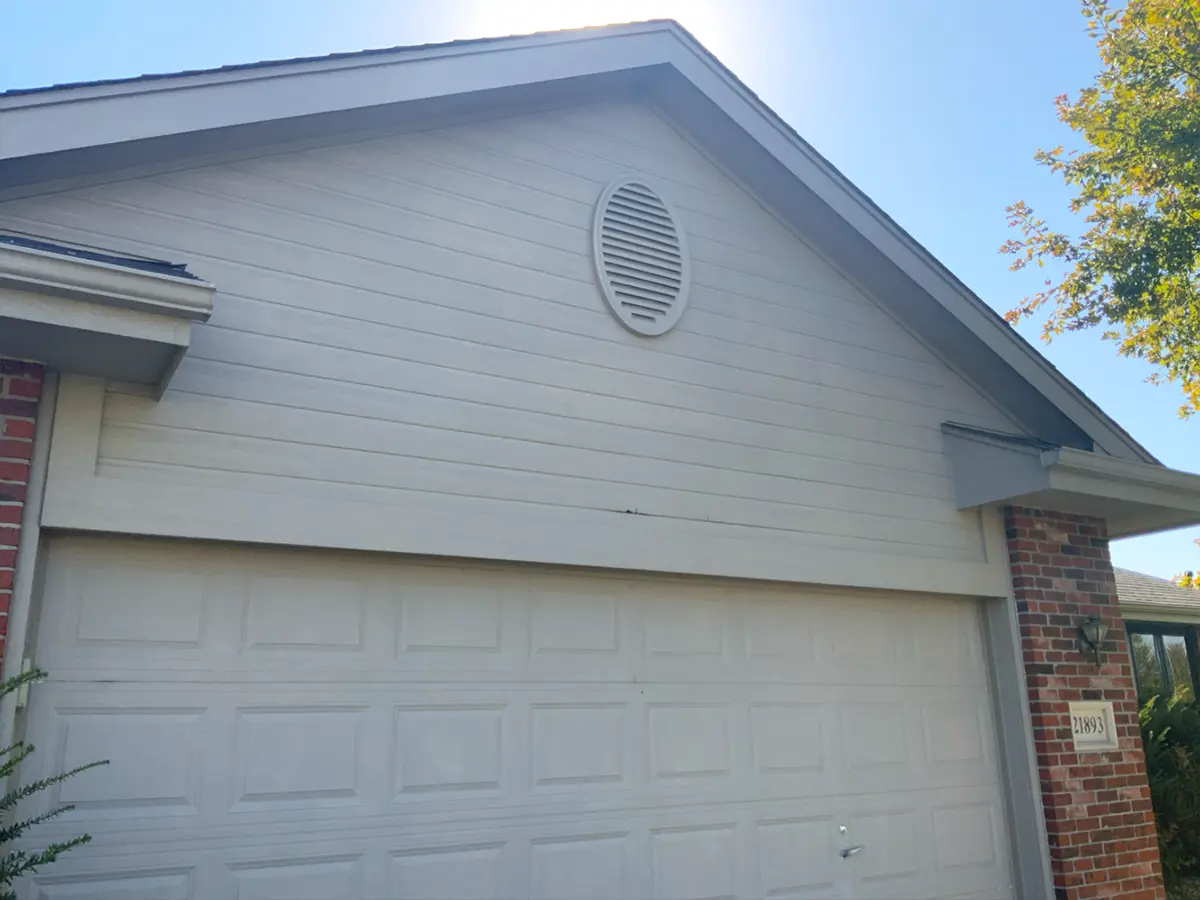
x: 411, y: 325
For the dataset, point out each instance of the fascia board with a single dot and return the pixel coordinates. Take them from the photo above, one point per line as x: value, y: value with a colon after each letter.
x: 1148, y: 611
x: 88, y: 117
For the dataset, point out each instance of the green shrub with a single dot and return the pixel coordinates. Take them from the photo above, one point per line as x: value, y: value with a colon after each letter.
x: 15, y: 863
x: 1171, y: 736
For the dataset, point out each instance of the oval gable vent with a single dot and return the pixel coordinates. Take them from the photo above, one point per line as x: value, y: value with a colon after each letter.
x: 641, y: 258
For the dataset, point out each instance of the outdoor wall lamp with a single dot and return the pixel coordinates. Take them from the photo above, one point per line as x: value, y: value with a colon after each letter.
x: 1091, y: 635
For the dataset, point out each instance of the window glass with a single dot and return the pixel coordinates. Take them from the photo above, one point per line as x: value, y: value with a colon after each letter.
x: 1146, y: 666
x: 1175, y: 647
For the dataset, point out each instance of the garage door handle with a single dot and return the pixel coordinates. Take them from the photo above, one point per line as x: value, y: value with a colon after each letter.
x: 853, y: 851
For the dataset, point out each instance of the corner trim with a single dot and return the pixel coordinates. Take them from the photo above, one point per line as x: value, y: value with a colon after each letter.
x: 1027, y: 835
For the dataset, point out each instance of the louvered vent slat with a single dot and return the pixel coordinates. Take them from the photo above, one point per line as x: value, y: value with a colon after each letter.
x: 619, y: 248
x: 619, y: 220
x: 640, y: 256
x: 641, y: 216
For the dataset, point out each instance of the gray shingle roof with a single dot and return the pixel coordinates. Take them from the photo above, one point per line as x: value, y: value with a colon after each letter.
x: 1137, y: 587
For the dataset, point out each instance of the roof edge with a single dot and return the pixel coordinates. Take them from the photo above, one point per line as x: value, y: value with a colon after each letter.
x: 275, y: 68
x: 982, y: 317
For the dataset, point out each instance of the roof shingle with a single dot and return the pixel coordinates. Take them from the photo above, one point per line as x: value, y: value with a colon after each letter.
x: 1137, y: 587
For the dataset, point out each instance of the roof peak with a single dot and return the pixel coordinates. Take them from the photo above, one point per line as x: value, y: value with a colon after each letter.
x: 70, y: 134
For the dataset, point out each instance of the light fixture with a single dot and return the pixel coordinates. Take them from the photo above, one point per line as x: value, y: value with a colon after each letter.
x: 1091, y: 635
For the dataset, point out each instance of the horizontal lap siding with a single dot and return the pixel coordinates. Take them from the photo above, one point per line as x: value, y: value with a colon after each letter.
x: 418, y: 313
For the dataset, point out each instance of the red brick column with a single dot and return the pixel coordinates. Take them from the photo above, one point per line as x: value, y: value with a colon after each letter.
x: 1098, y: 814
x: 20, y: 390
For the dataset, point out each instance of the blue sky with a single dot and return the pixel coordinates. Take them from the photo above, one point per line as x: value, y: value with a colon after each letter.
x: 933, y: 107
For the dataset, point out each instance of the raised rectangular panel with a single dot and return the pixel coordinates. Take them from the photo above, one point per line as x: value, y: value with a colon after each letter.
x: 332, y: 878
x: 160, y: 884
x: 578, y: 744
x: 448, y: 749
x: 890, y: 842
x: 304, y: 614
x: 689, y: 740
x: 579, y: 868
x: 866, y: 635
x: 695, y: 863
x: 134, y: 606
x: 873, y: 734
x: 446, y: 617
x: 780, y: 630
x: 963, y: 836
x: 685, y: 628
x: 456, y: 873
x: 953, y: 732
x: 574, y: 623
x: 150, y: 752
x: 297, y: 754
x: 786, y: 737
x: 796, y: 856
x: 947, y: 637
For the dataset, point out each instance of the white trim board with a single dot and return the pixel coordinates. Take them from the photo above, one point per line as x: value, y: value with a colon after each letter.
x: 78, y: 498
x: 1149, y: 611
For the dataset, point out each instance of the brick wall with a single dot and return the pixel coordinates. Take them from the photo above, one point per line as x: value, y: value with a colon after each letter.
x: 1098, y: 814
x: 20, y: 390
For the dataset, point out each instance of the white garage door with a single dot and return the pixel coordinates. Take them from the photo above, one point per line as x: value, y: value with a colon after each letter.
x: 291, y: 724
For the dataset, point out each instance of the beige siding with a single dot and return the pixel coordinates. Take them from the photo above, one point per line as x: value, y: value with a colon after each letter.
x: 417, y: 315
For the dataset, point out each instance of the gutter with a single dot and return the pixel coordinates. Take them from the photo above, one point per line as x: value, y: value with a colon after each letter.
x: 1149, y: 611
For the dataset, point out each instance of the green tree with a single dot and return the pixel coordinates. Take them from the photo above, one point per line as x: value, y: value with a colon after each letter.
x: 1171, y: 739
x: 1190, y: 578
x: 15, y: 863
x: 1136, y: 269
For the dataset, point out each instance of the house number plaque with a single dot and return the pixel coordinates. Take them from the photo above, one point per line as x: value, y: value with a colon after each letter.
x: 1093, y: 727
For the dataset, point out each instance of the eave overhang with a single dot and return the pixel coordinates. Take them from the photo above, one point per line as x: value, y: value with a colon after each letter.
x: 80, y: 314
x: 1133, y: 497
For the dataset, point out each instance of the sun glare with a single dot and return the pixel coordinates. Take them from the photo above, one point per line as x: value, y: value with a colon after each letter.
x: 494, y: 18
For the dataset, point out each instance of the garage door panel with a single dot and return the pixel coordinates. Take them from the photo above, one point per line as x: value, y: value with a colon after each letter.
x: 290, y: 613
x: 779, y: 848
x: 276, y: 749
x: 177, y: 610
x: 966, y: 856
x: 155, y: 759
x: 330, y: 878
x: 411, y: 727
x: 161, y: 884
x: 299, y: 756
x: 798, y: 856
x: 968, y: 846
